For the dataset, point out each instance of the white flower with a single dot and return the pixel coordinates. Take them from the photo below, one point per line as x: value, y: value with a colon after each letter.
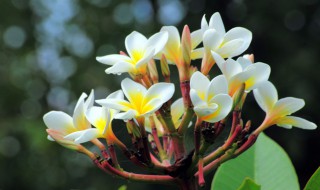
x: 226, y: 44
x: 278, y: 111
x: 65, y: 124
x: 242, y: 71
x: 210, y: 98
x: 140, y: 49
x: 141, y: 102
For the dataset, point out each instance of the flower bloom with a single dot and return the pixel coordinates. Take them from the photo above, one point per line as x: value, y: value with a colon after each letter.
x: 101, y: 118
x: 226, y: 44
x: 141, y: 102
x: 140, y: 49
x: 61, y: 124
x: 210, y: 98
x: 278, y: 111
x: 242, y: 71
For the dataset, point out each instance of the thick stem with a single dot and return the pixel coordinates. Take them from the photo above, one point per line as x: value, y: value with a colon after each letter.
x: 188, y: 184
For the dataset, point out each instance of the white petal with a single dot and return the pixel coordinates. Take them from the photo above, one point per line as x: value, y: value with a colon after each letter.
x: 79, y: 119
x: 218, y: 59
x: 116, y: 95
x: 244, y: 62
x: 163, y: 91
x: 266, y: 96
x: 197, y: 53
x: 112, y: 59
x: 126, y: 115
x: 158, y: 41
x: 59, y: 121
x: 297, y: 122
x: 99, y: 117
x: 50, y: 138
x: 133, y: 90
x: 224, y: 103
x: 195, y: 99
x: 83, y: 136
x: 146, y: 58
x: 135, y: 42
x: 117, y: 104
x: 212, y: 39
x: 218, y: 85
x: 152, y: 106
x: 203, y: 111
x: 216, y: 23
x: 261, y: 74
x: 174, y: 37
x: 196, y: 38
x: 230, y: 68
x: 230, y: 48
x: 239, y: 33
x: 120, y: 67
x: 199, y: 83
x: 177, y: 110
x: 287, y: 106
x: 204, y: 24
x: 90, y: 100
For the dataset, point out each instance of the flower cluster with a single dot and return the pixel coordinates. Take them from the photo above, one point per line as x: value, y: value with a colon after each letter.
x: 146, y: 105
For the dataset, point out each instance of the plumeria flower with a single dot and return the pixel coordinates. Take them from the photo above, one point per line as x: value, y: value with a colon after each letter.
x: 177, y: 110
x: 64, y: 124
x: 173, y: 48
x: 242, y: 71
x: 140, y: 49
x: 278, y: 112
x: 226, y: 44
x: 141, y: 102
x: 101, y: 118
x: 210, y: 98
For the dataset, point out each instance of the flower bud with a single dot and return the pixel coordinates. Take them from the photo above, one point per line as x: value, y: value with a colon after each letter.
x: 186, y: 45
x: 153, y: 71
x: 237, y: 97
x: 165, y: 68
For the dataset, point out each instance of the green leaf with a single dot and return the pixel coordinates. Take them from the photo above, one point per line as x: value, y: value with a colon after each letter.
x: 249, y: 184
x: 314, y: 181
x: 265, y: 162
x: 123, y: 187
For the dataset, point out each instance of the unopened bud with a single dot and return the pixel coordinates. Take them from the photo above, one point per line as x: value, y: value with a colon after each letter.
x: 153, y: 71
x: 250, y: 57
x: 186, y: 45
x: 237, y: 97
x: 133, y: 129
x: 165, y: 68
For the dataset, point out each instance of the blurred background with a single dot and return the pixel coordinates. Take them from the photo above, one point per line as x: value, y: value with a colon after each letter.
x: 47, y: 59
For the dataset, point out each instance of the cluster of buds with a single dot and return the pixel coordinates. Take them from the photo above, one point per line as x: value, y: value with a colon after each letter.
x: 157, y: 124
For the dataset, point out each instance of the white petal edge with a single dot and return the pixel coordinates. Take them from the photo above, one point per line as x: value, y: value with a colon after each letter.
x: 218, y: 85
x: 199, y: 83
x: 131, y: 88
x: 266, y: 96
x: 59, y: 121
x: 120, y: 67
x: 135, y: 41
x: 297, y: 122
x: 164, y: 91
x: 112, y: 59
x: 216, y: 23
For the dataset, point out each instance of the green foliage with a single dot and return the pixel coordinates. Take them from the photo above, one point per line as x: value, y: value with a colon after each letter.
x: 249, y: 184
x: 265, y: 162
x: 123, y: 187
x: 314, y: 181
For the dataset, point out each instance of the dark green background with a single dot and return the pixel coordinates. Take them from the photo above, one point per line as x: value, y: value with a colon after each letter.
x: 47, y: 58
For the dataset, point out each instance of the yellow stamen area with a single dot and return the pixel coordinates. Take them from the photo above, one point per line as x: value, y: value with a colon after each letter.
x: 136, y: 56
x: 81, y: 122
x: 101, y: 124
x: 250, y: 82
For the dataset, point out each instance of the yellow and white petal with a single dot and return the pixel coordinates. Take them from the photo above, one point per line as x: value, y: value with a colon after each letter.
x: 218, y: 59
x: 117, y: 104
x: 134, y: 91
x: 204, y: 111
x: 212, y: 39
x: 230, y: 68
x: 177, y: 110
x: 152, y: 106
x: 196, y: 38
x: 261, y: 74
x: 59, y: 121
x: 216, y: 23
x: 130, y: 114
x: 204, y: 24
x: 158, y: 41
x: 99, y: 117
x: 195, y: 99
x: 135, y: 42
x: 266, y: 96
x: 297, y: 122
x: 116, y: 95
x: 163, y: 91
x: 79, y: 119
x: 197, y: 53
x: 112, y: 59
x: 239, y: 33
x: 218, y: 85
x: 286, y: 106
x: 89, y: 101
x: 147, y: 56
x: 120, y: 67
x: 230, y: 48
x: 83, y: 136
x: 224, y: 103
x: 59, y: 138
x: 172, y: 48
x: 199, y: 83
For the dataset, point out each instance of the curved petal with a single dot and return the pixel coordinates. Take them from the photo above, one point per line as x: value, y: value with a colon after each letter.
x: 203, y: 111
x: 135, y: 41
x: 196, y: 38
x: 164, y: 91
x: 197, y: 53
x: 261, y: 74
x: 266, y: 96
x: 99, y: 117
x: 173, y: 45
x: 158, y: 41
x: 286, y: 106
x: 216, y: 23
x: 120, y: 67
x: 83, y: 136
x: 146, y: 58
x: 230, y: 48
x: 239, y: 33
x: 218, y: 59
x: 244, y: 62
x: 117, y: 104
x: 199, y: 83
x: 195, y: 99
x: 113, y: 59
x: 177, y: 110
x: 212, y: 39
x: 224, y: 103
x: 90, y: 100
x: 133, y: 91
x: 130, y: 114
x: 218, y: 85
x: 230, y: 68
x: 59, y: 121
x: 79, y: 119
x: 152, y: 106
x: 116, y: 95
x: 297, y: 122
x: 204, y: 24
